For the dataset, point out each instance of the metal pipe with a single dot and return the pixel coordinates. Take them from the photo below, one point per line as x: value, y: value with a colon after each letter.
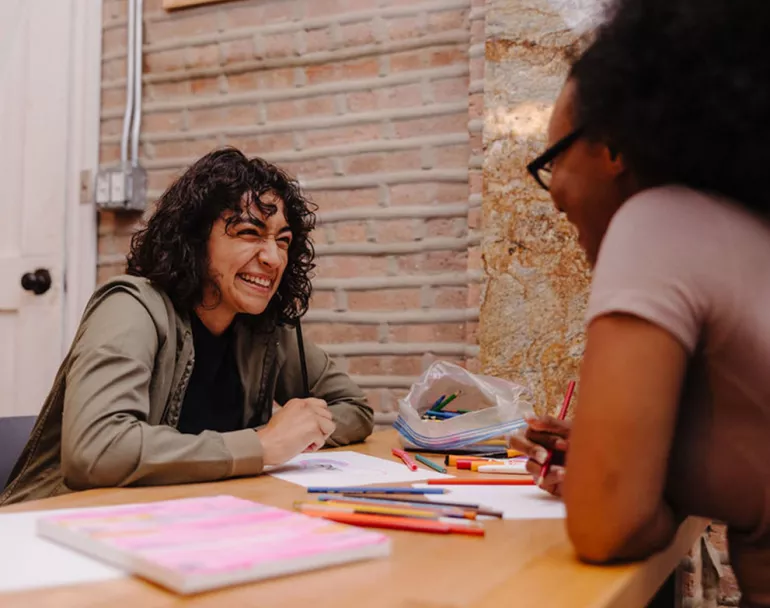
x: 127, y: 116
x: 137, y: 121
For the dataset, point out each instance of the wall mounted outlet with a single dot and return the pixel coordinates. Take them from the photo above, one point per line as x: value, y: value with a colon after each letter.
x: 121, y: 188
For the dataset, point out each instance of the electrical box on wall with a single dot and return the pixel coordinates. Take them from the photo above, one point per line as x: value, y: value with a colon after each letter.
x: 121, y: 188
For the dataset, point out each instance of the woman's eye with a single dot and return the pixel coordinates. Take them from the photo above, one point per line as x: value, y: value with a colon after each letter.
x: 285, y: 243
x: 248, y: 232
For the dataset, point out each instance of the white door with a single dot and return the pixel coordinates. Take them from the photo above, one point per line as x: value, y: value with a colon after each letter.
x: 36, y: 72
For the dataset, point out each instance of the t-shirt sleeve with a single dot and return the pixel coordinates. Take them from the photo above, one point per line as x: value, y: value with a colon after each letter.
x: 657, y: 262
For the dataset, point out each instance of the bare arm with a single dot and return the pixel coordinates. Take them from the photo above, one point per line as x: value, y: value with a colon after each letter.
x: 620, y: 442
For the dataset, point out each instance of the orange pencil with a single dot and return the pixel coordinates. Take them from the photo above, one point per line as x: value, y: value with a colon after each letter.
x: 562, y: 415
x: 474, y: 481
x: 397, y: 523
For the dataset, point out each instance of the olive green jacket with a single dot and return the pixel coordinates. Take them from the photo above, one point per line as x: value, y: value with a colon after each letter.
x: 110, y: 417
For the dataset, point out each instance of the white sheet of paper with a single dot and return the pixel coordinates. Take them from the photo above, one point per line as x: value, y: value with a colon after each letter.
x: 28, y: 561
x: 340, y: 469
x: 516, y: 502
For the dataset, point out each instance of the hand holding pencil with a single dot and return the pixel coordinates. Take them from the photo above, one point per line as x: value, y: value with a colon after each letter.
x: 545, y: 442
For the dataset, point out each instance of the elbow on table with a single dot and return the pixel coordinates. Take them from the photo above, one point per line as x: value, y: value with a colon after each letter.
x: 82, y: 471
x: 366, y: 415
x: 594, y: 542
x: 355, y: 422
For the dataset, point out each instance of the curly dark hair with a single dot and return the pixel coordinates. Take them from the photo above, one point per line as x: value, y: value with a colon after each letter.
x: 171, y: 251
x: 682, y: 89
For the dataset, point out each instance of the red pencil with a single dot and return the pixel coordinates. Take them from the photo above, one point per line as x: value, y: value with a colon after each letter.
x: 406, y: 458
x: 397, y: 523
x: 475, y: 481
x: 562, y: 415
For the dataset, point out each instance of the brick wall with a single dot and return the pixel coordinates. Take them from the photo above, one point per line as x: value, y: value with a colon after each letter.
x: 367, y: 103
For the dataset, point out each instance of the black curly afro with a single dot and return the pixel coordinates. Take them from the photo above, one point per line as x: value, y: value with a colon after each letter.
x: 682, y: 89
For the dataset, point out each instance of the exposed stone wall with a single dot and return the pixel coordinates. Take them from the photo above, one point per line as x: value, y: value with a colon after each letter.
x: 536, y: 278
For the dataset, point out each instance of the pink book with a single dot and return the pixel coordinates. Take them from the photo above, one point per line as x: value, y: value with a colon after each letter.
x: 197, y: 544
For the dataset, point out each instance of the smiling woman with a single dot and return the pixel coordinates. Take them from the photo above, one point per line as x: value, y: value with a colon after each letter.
x: 176, y: 366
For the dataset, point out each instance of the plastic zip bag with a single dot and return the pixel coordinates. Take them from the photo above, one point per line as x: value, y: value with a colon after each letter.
x: 496, y: 407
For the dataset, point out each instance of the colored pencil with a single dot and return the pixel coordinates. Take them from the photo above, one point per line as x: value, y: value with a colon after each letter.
x: 373, y: 509
x: 436, y: 403
x: 396, y: 523
x: 374, y: 490
x: 405, y: 458
x: 562, y: 415
x: 442, y: 415
x: 440, y: 510
x: 430, y: 463
x: 448, y: 400
x: 481, y: 510
x: 473, y: 481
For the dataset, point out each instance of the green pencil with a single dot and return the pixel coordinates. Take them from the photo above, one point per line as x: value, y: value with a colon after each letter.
x: 430, y: 463
x: 446, y: 402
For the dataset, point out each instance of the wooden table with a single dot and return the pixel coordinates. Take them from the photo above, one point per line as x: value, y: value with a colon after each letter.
x: 527, y: 564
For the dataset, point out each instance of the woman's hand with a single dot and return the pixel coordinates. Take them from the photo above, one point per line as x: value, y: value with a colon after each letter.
x: 544, y: 434
x: 300, y: 425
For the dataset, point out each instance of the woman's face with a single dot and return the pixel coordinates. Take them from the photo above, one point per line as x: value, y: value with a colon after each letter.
x: 248, y: 257
x: 587, y: 180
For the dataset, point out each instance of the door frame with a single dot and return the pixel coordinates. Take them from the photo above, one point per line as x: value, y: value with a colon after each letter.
x: 80, y: 247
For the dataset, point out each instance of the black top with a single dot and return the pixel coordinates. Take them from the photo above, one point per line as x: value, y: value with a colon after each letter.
x: 214, y: 397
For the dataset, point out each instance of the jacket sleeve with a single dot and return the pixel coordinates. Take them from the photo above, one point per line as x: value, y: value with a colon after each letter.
x: 351, y: 412
x: 106, y: 439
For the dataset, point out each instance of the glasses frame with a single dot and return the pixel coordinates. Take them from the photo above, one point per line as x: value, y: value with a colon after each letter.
x: 546, y: 158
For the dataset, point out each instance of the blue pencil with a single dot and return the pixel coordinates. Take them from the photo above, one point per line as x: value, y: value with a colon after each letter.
x: 442, y: 415
x: 437, y: 403
x: 370, y: 490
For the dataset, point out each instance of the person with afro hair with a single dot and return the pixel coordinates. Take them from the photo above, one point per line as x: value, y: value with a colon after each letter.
x: 658, y: 154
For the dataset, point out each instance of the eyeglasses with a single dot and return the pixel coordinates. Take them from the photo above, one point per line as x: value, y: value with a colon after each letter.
x: 540, y: 168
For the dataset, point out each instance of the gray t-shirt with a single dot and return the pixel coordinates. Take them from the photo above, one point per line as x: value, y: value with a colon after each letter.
x: 699, y: 267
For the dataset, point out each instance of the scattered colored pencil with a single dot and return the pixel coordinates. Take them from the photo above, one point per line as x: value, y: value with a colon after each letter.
x: 397, y: 523
x: 544, y: 470
x: 362, y: 508
x: 473, y: 481
x: 430, y: 463
x: 405, y: 458
x: 481, y: 510
x: 442, y: 510
x: 374, y: 490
